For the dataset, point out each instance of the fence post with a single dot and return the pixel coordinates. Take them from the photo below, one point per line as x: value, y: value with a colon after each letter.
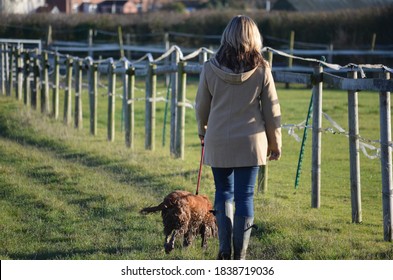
x: 36, y: 96
x: 45, y: 84
x: 270, y: 58
x: 354, y: 162
x: 10, y: 72
x: 129, y: 112
x: 26, y: 79
x: 56, y: 84
x: 150, y: 115
x: 19, y: 74
x: 2, y: 69
x: 124, y: 95
x: 316, y: 138
x: 93, y: 96
x: 111, y: 100
x: 6, y: 69
x: 167, y: 59
x: 386, y: 162
x: 120, y: 35
x: 373, y: 39
x: 291, y: 46
x: 90, y: 43
x: 181, y: 110
x: 78, y: 120
x: 174, y: 77
x: 68, y: 90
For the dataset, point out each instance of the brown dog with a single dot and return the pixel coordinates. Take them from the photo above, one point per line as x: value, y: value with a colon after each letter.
x: 184, y: 213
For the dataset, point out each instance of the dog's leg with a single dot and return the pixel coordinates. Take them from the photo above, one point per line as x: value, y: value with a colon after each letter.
x: 204, y: 236
x: 170, y: 245
x: 188, y: 238
x: 166, y: 240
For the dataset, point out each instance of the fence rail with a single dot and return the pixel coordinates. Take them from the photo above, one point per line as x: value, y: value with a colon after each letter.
x: 25, y: 72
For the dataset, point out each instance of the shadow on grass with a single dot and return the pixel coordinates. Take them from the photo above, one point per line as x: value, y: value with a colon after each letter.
x: 12, y: 128
x: 62, y: 254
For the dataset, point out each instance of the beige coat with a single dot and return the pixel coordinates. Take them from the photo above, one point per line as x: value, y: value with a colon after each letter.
x: 239, y: 129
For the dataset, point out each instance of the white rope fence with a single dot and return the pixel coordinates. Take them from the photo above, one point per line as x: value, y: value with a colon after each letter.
x: 365, y: 145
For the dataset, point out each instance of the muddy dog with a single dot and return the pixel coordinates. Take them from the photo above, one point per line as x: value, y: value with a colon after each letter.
x: 184, y: 213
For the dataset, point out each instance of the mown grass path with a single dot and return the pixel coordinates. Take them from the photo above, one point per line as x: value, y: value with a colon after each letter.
x: 67, y: 195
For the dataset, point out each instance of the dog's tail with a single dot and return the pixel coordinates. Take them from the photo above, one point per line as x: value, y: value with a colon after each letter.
x: 153, y: 209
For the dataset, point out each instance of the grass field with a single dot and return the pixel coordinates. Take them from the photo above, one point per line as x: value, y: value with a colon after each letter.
x: 65, y: 194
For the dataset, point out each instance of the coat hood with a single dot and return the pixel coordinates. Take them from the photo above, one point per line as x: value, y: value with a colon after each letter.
x: 227, y: 75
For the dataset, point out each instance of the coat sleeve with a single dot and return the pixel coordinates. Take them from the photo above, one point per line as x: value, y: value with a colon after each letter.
x: 202, y: 103
x: 271, y: 111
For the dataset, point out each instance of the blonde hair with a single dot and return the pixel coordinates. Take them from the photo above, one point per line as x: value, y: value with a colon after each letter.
x: 241, y: 45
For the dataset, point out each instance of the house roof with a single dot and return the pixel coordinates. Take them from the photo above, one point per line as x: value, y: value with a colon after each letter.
x: 327, y: 5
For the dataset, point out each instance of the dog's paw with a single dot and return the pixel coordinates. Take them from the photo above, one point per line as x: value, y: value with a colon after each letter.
x: 168, y: 247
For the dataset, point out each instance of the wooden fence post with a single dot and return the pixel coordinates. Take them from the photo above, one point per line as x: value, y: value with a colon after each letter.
x: 68, y: 91
x: 78, y: 119
x: 150, y: 114
x: 270, y: 58
x: 36, y: 90
x: 174, y: 77
x: 10, y: 72
x: 19, y: 74
x: 111, y: 100
x: 128, y: 42
x: 26, y: 80
x: 181, y: 110
x: 124, y: 81
x: 93, y: 96
x: 386, y: 161
x: 316, y: 138
x: 130, y: 108
x: 45, y: 84
x: 373, y: 39
x: 90, y: 43
x: 6, y: 69
x: 3, y: 69
x: 354, y: 162
x: 49, y: 40
x: 56, y: 85
x: 291, y: 46
x: 121, y: 45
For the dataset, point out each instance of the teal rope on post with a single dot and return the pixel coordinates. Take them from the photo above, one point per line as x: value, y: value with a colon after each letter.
x: 166, y: 113
x: 299, y: 165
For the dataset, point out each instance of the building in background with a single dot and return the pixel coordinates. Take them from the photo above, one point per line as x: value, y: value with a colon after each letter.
x: 20, y: 6
x: 124, y: 6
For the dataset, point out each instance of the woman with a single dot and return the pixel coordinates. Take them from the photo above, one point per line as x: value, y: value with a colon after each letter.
x: 238, y: 117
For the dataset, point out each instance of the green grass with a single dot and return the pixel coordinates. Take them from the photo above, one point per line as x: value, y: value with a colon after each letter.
x: 65, y: 194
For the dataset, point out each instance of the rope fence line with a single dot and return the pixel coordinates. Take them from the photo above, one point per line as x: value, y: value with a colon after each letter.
x: 26, y: 72
x: 364, y: 143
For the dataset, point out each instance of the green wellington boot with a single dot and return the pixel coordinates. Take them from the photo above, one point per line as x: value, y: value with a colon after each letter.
x: 241, y: 236
x: 225, y: 222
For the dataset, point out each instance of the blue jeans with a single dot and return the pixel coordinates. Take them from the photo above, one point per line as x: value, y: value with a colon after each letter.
x: 235, y: 184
